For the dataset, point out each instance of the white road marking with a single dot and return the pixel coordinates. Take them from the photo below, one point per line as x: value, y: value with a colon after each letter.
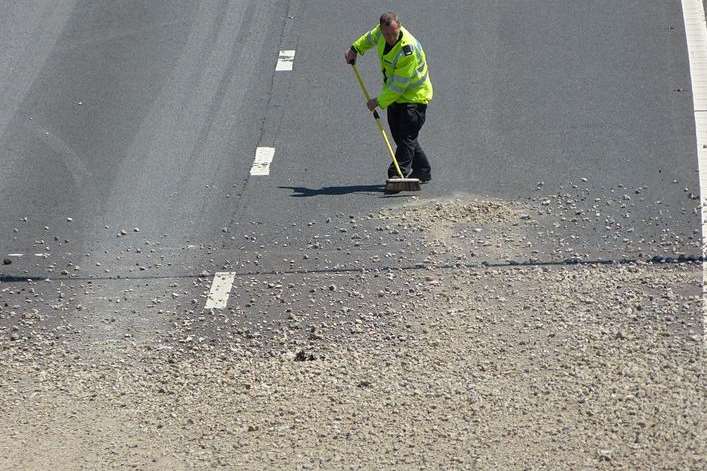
x: 263, y: 158
x: 285, y: 61
x: 15, y: 255
x: 220, y: 290
x: 696, y: 32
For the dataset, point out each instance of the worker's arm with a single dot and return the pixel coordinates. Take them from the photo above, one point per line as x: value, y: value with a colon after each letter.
x: 396, y: 84
x: 367, y: 41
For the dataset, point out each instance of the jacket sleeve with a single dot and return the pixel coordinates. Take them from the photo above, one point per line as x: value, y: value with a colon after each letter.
x: 396, y: 84
x: 367, y: 41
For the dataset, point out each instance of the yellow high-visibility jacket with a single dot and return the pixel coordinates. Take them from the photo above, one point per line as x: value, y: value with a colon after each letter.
x: 405, y: 75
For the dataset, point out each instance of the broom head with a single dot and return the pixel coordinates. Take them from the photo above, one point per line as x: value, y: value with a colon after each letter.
x: 396, y: 185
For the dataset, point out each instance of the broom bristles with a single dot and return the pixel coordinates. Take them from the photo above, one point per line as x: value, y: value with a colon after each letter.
x: 402, y: 184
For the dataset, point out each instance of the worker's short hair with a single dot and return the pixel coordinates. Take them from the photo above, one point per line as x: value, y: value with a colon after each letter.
x: 388, y: 18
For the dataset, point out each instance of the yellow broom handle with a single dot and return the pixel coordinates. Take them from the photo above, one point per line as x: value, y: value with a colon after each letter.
x: 378, y: 121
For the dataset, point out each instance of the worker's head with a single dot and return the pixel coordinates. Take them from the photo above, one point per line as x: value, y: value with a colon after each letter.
x: 390, y: 27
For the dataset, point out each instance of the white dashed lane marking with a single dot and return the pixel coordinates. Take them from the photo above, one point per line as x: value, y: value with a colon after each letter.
x: 220, y: 290
x: 286, y: 61
x: 264, y: 155
x: 263, y: 158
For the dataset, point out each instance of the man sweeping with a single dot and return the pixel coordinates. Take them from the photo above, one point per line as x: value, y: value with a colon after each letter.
x: 406, y: 91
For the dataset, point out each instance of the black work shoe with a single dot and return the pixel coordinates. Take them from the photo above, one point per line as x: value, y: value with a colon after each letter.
x: 423, y: 177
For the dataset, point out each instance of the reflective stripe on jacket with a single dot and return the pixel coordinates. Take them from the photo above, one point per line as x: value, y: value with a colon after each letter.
x: 405, y: 75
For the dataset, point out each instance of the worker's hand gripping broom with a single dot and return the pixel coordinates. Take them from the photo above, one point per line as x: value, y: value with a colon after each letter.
x: 392, y: 185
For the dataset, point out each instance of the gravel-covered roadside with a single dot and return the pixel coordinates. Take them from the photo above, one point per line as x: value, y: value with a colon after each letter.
x: 468, y: 367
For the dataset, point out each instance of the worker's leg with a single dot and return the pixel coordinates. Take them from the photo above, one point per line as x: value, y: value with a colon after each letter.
x: 420, y: 165
x: 404, y: 129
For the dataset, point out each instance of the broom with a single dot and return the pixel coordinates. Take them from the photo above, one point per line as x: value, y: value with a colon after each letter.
x: 392, y: 185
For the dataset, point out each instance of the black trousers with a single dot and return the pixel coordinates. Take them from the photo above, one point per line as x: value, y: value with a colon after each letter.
x: 405, y: 121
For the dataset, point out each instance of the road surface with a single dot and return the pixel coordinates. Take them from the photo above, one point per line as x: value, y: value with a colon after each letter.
x: 562, y: 139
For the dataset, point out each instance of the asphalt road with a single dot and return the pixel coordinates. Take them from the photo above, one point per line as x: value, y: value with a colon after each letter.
x: 136, y: 115
x: 133, y: 115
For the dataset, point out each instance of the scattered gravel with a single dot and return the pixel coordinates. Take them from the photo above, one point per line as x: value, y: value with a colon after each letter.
x: 431, y: 361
